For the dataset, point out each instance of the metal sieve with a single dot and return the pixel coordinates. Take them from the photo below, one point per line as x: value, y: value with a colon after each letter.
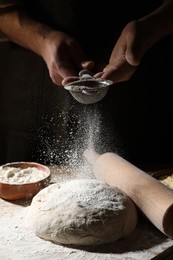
x: 88, y: 90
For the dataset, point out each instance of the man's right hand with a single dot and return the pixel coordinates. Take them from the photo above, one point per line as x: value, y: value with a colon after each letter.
x: 63, y: 56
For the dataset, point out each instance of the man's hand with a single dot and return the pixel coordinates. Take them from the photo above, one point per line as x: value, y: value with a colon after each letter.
x: 63, y: 56
x: 135, y: 40
x: 125, y: 56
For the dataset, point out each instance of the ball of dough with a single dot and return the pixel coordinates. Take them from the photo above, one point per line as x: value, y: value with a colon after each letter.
x: 82, y: 212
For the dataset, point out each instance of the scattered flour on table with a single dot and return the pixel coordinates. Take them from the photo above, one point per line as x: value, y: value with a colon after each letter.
x: 19, y: 243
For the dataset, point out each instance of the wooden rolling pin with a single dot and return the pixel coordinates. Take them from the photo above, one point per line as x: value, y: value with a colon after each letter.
x: 152, y: 197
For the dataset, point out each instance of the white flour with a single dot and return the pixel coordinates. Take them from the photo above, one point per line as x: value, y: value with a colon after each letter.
x: 82, y: 129
x: 18, y: 175
x: 19, y: 243
x: 76, y: 218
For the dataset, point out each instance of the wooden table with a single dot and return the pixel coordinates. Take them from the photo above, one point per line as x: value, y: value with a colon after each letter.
x: 17, y: 242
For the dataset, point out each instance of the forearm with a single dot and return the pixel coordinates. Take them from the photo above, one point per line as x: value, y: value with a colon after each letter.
x: 159, y: 23
x: 21, y: 29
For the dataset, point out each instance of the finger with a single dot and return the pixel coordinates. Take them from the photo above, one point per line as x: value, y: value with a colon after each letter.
x: 119, y: 74
x: 78, y: 56
x: 88, y: 65
x: 56, y: 78
x: 133, y: 52
x: 68, y: 80
x: 98, y: 75
x: 110, y: 73
x: 65, y: 65
x: 131, y: 58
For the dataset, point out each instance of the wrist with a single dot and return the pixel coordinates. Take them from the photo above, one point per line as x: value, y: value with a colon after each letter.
x: 159, y: 23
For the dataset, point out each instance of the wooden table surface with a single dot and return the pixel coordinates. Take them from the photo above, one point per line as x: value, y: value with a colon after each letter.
x: 19, y: 243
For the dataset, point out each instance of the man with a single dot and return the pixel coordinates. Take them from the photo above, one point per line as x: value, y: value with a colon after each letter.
x: 61, y: 38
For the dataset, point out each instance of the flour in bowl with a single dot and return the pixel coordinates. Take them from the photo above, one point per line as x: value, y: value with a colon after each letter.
x: 19, y: 175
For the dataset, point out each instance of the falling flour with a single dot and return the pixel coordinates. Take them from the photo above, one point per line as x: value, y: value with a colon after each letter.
x: 83, y: 128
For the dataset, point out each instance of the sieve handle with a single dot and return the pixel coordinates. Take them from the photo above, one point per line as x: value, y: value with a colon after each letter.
x: 85, y: 74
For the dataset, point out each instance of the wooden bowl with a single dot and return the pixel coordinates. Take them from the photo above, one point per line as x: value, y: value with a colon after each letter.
x: 25, y: 190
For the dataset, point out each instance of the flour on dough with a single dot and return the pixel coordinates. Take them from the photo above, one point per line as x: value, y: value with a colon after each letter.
x: 82, y: 212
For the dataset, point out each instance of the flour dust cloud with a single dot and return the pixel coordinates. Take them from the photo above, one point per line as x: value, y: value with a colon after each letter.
x: 65, y: 136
